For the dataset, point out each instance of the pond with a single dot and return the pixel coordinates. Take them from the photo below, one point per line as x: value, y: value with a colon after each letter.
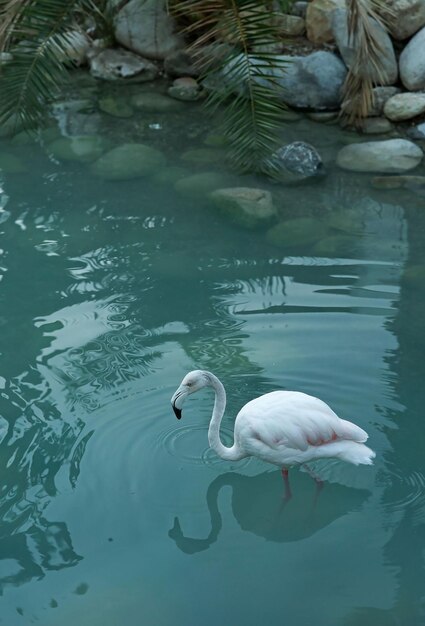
x: 112, y: 511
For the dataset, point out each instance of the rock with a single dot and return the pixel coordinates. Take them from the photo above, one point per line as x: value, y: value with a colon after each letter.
x: 346, y: 221
x: 295, y: 233
x: 180, y: 63
x: 130, y: 160
x: 391, y: 155
x: 404, y: 106
x: 334, y: 245
x: 246, y: 206
x: 170, y: 175
x: 74, y: 47
x: 84, y: 149
x: 417, y: 132
x: 11, y: 164
x: 289, y: 25
x: 376, y: 126
x: 380, y: 96
x: 408, y: 17
x: 310, y: 82
x: 347, y: 48
x: 412, y: 63
x: 323, y: 116
x: 200, y: 185
x: 414, y: 276
x: 202, y: 156
x: 155, y: 102
x: 186, y: 89
x: 145, y: 27
x: 294, y: 163
x: 299, y: 8
x: 398, y: 182
x: 117, y: 107
x: 319, y: 19
x: 121, y: 65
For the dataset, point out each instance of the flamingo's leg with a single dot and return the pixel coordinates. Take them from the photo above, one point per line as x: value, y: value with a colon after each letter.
x: 319, y: 483
x: 288, y: 493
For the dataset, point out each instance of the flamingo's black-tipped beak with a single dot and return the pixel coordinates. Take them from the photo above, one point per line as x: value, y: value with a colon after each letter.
x: 177, y: 411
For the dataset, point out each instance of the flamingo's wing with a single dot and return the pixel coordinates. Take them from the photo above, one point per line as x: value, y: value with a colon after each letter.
x: 295, y: 420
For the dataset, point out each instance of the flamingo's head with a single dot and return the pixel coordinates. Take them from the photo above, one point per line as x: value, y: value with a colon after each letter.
x: 193, y: 381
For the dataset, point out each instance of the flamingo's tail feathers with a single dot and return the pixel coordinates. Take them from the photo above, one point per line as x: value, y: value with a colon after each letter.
x: 358, y: 454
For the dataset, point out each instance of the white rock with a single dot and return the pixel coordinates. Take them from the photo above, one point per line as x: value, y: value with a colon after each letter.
x: 390, y: 156
x: 145, y: 27
x: 319, y: 19
x: 412, y: 63
x: 404, y: 106
x: 114, y: 64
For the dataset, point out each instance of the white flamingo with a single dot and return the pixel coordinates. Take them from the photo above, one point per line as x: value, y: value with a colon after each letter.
x: 285, y: 428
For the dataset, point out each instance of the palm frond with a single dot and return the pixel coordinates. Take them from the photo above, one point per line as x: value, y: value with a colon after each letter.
x: 36, y: 32
x: 248, y: 94
x: 367, y: 66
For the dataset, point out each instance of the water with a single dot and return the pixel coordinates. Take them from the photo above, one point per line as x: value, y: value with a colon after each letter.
x: 112, y: 512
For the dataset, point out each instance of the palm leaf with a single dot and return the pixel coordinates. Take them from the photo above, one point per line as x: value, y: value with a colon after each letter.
x: 247, y: 87
x: 36, y: 32
x: 358, y: 87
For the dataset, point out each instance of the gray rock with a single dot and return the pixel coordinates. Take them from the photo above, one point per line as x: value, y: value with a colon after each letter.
x: 145, y: 27
x: 299, y: 8
x: 121, y: 65
x: 380, y: 96
x: 130, y: 160
x: 180, y: 63
x: 290, y: 25
x: 186, y: 89
x: 347, y: 48
x: 310, y: 82
x: 389, y: 156
x: 246, y: 206
x: 295, y: 163
x: 408, y: 17
x: 412, y: 63
x: 376, y: 126
x: 404, y: 106
x: 417, y: 132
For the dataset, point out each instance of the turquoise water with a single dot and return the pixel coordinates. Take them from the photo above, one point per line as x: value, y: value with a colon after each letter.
x: 111, y: 511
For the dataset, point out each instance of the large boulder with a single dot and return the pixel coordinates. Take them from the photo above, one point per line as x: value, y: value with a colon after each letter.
x: 404, y: 106
x: 245, y: 206
x: 412, y: 63
x: 294, y: 163
x: 348, y: 46
x: 390, y: 156
x: 121, y: 65
x: 319, y: 19
x: 130, y: 160
x: 310, y: 82
x: 408, y: 16
x: 145, y: 27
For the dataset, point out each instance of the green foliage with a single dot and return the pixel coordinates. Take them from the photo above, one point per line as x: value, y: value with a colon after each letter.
x: 37, y: 33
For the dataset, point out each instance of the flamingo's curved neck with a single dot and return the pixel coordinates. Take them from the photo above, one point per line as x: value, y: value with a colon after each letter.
x: 230, y: 454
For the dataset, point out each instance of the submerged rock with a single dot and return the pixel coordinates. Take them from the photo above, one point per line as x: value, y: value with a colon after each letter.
x: 85, y: 148
x: 201, y: 156
x: 376, y: 126
x: 295, y: 163
x: 340, y: 245
x: 398, y: 182
x: 392, y: 156
x: 200, y: 185
x: 302, y: 231
x: 155, y: 102
x: 130, y: 160
x: 117, y: 107
x: 246, y: 206
x: 11, y: 164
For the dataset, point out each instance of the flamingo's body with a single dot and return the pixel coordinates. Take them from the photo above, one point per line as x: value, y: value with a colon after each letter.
x: 285, y: 428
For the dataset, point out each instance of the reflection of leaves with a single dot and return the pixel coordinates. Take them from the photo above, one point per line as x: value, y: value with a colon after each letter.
x: 74, y: 470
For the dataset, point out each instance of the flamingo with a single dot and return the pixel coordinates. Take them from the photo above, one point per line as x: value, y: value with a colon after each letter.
x: 285, y: 428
